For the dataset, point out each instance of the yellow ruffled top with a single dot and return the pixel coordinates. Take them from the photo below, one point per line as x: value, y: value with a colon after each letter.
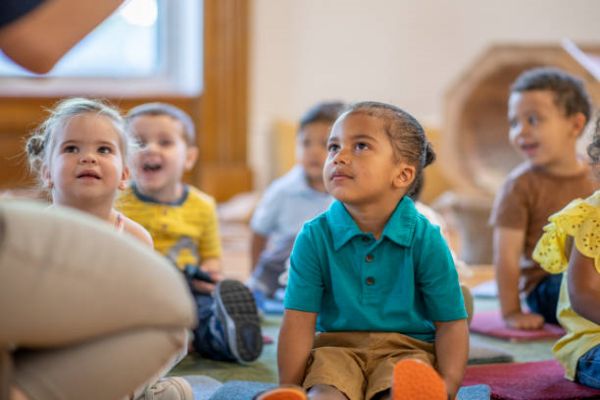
x: 579, y: 220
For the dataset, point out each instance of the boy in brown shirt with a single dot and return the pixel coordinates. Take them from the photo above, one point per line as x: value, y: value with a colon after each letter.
x: 548, y: 111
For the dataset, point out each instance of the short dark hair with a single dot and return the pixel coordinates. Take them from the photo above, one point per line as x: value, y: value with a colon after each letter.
x: 156, y: 109
x: 406, y: 135
x: 569, y: 91
x: 327, y: 111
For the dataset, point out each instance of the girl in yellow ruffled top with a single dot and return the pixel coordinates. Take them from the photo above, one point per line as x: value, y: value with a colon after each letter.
x: 571, y: 245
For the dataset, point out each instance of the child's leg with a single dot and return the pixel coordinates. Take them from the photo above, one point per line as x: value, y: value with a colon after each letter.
x: 209, y: 337
x: 229, y: 326
x: 544, y: 298
x: 111, y: 367
x: 588, y: 368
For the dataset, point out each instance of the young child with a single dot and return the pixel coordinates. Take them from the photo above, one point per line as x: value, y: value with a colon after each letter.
x: 570, y: 246
x: 372, y: 275
x: 292, y: 199
x: 183, y: 224
x: 79, y: 154
x: 547, y: 111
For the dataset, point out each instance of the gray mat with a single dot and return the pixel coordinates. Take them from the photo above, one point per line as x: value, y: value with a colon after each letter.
x: 488, y: 354
x: 203, y: 386
x: 245, y: 390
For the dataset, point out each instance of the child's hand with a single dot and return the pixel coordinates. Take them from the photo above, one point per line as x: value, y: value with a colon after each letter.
x: 519, y: 320
x: 207, y: 287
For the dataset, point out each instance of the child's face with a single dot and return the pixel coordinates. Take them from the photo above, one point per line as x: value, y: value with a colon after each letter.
x: 311, y: 149
x: 361, y: 167
x: 164, y: 155
x: 540, y: 130
x: 86, y: 164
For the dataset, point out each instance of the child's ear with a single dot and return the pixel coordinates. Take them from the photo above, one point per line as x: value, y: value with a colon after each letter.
x: 191, y: 155
x: 124, y: 178
x: 405, y: 176
x: 46, y: 178
x: 579, y: 121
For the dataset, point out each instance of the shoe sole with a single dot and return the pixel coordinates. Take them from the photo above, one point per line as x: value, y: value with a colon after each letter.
x: 237, y: 308
x: 282, y: 394
x: 416, y: 380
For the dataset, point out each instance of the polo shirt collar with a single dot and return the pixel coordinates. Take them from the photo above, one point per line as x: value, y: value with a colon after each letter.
x: 399, y: 228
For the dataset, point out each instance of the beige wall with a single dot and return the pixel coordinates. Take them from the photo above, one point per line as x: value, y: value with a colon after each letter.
x: 398, y: 51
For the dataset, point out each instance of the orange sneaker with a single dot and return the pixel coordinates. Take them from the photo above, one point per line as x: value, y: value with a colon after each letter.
x: 416, y: 380
x: 283, y: 393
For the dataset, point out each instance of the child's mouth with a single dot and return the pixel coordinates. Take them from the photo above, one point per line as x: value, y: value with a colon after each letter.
x: 151, y: 167
x: 88, y: 175
x: 529, y: 149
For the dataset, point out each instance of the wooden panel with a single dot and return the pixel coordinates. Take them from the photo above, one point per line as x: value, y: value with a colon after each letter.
x: 220, y: 113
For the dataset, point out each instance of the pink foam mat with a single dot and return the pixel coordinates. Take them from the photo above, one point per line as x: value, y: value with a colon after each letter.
x: 539, y: 380
x: 490, y: 323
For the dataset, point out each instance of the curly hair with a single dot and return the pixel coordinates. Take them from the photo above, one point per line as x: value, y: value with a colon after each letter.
x: 593, y: 148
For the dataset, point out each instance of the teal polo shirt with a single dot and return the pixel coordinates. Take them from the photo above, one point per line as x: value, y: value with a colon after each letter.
x: 400, y: 283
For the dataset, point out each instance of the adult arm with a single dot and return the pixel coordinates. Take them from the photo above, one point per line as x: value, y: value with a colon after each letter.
x: 452, y: 352
x: 508, y: 247
x: 41, y: 37
x: 584, y: 286
x: 295, y: 343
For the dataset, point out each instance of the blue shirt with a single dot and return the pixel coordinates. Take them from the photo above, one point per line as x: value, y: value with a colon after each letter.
x: 287, y: 203
x: 400, y: 283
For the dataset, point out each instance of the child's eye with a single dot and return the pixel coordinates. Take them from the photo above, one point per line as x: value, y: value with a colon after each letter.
x: 513, y: 123
x: 333, y: 148
x: 165, y: 143
x: 70, y: 149
x: 533, y: 120
x: 361, y: 146
x: 104, y: 150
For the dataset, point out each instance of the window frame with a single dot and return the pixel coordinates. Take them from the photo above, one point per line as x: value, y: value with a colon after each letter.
x: 180, y: 66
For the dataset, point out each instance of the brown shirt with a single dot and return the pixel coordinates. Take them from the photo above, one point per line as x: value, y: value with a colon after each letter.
x: 526, y: 200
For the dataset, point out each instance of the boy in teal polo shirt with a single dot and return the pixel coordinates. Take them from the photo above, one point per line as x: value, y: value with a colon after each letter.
x: 372, y: 275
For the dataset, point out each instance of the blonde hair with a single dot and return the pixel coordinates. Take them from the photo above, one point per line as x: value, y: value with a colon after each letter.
x: 42, y: 141
x: 158, y: 109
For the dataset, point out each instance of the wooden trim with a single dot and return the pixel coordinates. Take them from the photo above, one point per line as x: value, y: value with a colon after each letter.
x: 223, y: 124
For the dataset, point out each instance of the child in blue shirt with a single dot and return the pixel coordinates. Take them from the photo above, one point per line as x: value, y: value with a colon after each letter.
x: 372, y: 276
x: 291, y: 200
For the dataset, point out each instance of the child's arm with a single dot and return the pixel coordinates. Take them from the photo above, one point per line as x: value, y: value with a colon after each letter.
x: 584, y: 286
x: 295, y: 343
x: 258, y: 244
x: 508, y: 247
x: 452, y: 352
x: 138, y: 231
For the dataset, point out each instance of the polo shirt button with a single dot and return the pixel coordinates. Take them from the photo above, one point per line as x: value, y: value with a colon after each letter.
x: 369, y: 258
x: 366, y: 239
x: 370, y: 280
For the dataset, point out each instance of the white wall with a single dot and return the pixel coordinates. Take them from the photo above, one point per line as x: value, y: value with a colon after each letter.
x: 406, y: 52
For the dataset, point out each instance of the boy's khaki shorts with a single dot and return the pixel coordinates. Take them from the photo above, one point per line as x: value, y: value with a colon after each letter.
x: 360, y: 364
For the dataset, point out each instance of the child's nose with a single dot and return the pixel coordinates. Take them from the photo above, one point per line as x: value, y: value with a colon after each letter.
x: 88, y: 158
x: 341, y: 157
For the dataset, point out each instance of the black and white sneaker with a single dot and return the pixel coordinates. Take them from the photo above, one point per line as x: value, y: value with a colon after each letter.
x: 237, y: 312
